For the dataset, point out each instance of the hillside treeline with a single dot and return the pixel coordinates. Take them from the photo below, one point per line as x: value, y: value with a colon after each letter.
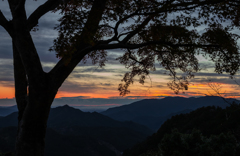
x: 207, y: 131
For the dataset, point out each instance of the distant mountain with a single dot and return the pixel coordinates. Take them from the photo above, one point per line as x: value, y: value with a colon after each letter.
x: 4, y: 111
x: 66, y: 116
x: 68, y: 121
x: 9, y: 120
x: 209, y: 120
x: 153, y: 112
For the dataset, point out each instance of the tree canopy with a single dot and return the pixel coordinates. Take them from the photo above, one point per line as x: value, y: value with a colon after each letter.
x: 160, y: 31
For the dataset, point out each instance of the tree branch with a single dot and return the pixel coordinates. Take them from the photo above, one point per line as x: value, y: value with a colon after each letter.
x: 3, y: 20
x: 116, y: 37
x: 41, y: 10
x: 92, y: 23
x: 62, y: 70
x: 5, y: 24
x: 139, y: 28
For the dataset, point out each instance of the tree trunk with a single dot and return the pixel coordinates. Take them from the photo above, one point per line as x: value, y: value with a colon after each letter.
x: 21, y: 84
x: 33, y: 120
x: 32, y: 128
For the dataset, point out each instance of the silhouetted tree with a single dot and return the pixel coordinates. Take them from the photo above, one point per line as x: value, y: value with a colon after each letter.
x: 179, y: 144
x: 149, y: 31
x: 6, y: 154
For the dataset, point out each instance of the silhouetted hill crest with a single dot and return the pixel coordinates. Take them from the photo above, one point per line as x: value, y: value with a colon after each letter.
x: 152, y: 112
x: 209, y: 120
x: 66, y: 116
x: 4, y: 111
x: 71, y: 123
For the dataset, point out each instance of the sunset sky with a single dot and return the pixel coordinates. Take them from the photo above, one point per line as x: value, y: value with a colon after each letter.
x: 92, y: 86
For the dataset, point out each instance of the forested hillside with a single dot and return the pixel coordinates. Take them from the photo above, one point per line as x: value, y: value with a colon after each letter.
x: 214, y: 129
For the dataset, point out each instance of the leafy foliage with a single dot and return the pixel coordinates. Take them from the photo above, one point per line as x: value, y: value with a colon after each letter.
x: 166, y: 31
x: 7, y: 154
x: 179, y: 144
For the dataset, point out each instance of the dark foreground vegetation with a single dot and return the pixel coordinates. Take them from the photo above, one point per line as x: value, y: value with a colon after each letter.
x: 207, y: 131
x: 7, y: 154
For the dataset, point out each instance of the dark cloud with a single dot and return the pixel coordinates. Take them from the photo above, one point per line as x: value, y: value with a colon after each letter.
x: 93, y: 101
x: 94, y: 69
x: 74, y: 87
x: 43, y: 38
x: 5, y: 45
x: 159, y: 71
x: 85, y: 76
x: 160, y: 86
x: 6, y: 72
x: 225, y: 80
x: 7, y: 102
x: 206, y: 65
x: 47, y: 68
x: 119, y: 75
x: 7, y: 83
x: 211, y: 74
x: 136, y: 97
x: 232, y: 94
x: 106, y: 84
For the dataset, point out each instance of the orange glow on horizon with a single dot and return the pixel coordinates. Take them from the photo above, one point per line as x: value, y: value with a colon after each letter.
x: 7, y: 92
x: 200, y: 89
x: 90, y: 95
x: 199, y: 86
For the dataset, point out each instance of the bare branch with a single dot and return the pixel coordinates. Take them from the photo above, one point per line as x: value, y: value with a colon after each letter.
x: 42, y: 10
x: 137, y: 30
x: 132, y: 58
x: 3, y: 19
x: 121, y: 21
x: 216, y: 87
x: 61, y: 71
x: 4, y: 22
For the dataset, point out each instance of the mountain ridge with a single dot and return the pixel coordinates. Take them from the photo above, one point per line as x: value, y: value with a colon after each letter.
x: 66, y: 116
x: 154, y: 110
x: 68, y: 121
